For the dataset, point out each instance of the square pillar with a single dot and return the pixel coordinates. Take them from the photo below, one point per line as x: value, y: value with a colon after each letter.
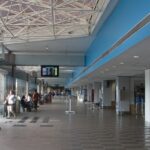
x: 122, y: 95
x: 89, y: 89
x: 107, y: 93
x: 147, y: 95
x: 96, y: 92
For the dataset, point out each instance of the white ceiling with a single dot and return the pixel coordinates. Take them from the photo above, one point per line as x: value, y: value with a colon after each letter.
x: 132, y: 62
x: 59, y: 46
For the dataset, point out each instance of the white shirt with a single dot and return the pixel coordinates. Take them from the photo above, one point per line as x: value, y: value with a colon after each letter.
x: 11, y: 99
x: 29, y: 98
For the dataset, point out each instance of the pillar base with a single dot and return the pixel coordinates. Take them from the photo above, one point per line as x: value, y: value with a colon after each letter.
x: 123, y: 113
x: 106, y: 107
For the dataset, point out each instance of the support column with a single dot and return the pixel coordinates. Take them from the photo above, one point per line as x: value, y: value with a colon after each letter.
x: 89, y: 89
x: 13, y: 77
x: 107, y: 94
x: 38, y: 88
x: 147, y: 95
x: 2, y: 86
x: 113, y: 99
x: 78, y: 93
x: 27, y: 85
x: 132, y: 101
x: 81, y: 93
x: 122, y: 95
x: 96, y: 92
x: 42, y: 87
x: 84, y: 92
x: 101, y: 94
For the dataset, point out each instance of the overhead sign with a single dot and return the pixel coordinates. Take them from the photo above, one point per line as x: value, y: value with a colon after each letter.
x: 49, y: 71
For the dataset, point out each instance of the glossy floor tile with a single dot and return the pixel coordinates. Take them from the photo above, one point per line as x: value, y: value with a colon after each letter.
x: 52, y: 129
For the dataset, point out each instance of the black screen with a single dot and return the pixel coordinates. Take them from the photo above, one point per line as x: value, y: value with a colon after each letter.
x: 49, y: 71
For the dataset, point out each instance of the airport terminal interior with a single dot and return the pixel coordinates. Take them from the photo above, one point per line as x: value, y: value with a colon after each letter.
x: 74, y: 74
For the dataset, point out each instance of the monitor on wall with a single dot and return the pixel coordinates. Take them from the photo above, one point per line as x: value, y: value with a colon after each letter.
x: 49, y: 71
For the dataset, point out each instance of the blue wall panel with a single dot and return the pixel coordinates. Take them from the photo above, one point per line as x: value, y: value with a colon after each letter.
x: 124, y: 17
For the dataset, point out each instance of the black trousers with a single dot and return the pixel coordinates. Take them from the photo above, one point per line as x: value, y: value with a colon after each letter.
x: 35, y: 104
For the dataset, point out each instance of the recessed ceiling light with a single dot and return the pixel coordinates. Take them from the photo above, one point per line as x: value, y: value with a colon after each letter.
x: 68, y: 70
x: 61, y: 67
x: 136, y: 56
x: 122, y: 63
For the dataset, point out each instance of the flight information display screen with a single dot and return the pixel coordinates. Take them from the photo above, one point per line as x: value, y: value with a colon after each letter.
x: 49, y: 71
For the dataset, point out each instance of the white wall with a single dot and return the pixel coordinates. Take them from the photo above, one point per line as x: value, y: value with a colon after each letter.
x: 147, y: 95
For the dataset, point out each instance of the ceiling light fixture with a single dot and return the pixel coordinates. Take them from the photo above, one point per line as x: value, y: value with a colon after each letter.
x: 68, y: 70
x: 122, y: 63
x: 136, y: 56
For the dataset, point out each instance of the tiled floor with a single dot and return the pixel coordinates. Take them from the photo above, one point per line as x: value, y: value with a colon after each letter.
x: 51, y: 129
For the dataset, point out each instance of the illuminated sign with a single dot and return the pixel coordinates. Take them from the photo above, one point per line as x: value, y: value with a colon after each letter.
x: 49, y: 71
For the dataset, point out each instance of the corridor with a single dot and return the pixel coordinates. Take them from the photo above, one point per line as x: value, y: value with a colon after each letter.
x: 51, y: 129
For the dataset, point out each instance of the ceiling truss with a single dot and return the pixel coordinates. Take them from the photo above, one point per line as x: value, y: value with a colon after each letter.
x: 31, y: 20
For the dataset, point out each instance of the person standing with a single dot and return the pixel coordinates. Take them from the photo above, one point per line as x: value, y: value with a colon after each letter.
x: 35, y: 98
x: 11, y: 100
x: 23, y: 103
